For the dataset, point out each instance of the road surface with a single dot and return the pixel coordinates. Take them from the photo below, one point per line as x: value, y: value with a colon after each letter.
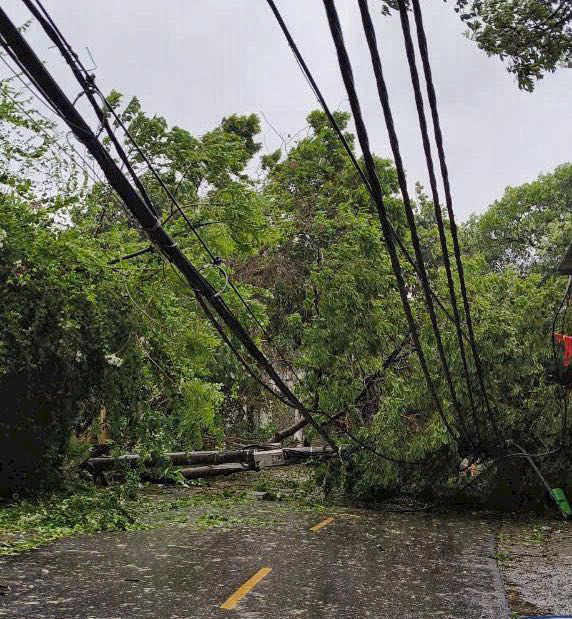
x: 356, y: 564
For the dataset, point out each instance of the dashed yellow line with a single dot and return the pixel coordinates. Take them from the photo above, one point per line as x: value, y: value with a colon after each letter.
x: 245, y: 588
x: 322, y: 524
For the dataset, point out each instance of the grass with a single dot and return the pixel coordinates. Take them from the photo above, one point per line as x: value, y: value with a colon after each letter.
x: 538, y: 534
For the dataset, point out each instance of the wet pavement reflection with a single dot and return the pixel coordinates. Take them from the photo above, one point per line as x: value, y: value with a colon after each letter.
x: 362, y: 564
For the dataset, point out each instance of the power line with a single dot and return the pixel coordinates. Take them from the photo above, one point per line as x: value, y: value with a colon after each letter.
x: 240, y: 358
x: 432, y: 97
x: 347, y: 75
x: 229, y: 343
x: 171, y: 195
x: 317, y: 92
x: 83, y: 133
x: 145, y: 215
x: 88, y: 170
x: 384, y: 100
x: 313, y: 85
x: 410, y: 53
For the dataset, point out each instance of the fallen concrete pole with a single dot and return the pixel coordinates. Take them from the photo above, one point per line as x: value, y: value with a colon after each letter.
x: 260, y: 459
x: 216, y: 462
x: 178, y: 458
x: 196, y: 472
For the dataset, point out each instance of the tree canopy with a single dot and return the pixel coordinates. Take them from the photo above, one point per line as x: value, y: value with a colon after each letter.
x: 93, y: 320
x: 534, y: 37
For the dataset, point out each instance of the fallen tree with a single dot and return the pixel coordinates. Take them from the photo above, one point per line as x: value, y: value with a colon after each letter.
x: 369, y: 383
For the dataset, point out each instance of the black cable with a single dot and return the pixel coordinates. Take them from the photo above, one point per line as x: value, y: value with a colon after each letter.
x: 313, y: 85
x: 388, y: 116
x: 89, y: 88
x: 201, y: 302
x: 424, y: 52
x: 347, y: 75
x: 56, y: 36
x: 148, y: 220
x: 90, y: 79
x: 390, y: 232
x: 368, y: 446
x: 251, y: 372
x: 236, y: 352
x: 534, y: 467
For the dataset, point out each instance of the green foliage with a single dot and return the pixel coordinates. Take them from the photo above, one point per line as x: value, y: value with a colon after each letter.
x: 78, y: 335
x: 61, y: 318
x: 328, y: 271
x: 245, y: 127
x: 529, y: 227
x: 508, y: 249
x: 200, y: 402
x: 533, y: 36
x: 29, y: 524
x: 85, y: 328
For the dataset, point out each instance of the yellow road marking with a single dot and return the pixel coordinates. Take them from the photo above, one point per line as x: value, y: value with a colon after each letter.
x: 324, y: 523
x: 246, y: 587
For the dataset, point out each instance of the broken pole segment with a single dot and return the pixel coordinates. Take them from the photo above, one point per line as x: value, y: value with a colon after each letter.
x: 196, y: 472
x: 178, y: 458
x: 216, y: 462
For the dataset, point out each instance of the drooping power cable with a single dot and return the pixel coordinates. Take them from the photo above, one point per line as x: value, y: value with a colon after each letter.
x: 147, y: 218
x: 384, y: 100
x: 347, y: 75
x: 423, y: 48
x: 316, y: 90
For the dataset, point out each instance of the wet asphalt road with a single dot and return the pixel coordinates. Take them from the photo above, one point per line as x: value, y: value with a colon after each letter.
x: 363, y: 564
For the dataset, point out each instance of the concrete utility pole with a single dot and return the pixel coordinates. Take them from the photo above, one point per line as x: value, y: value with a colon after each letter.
x: 214, y: 463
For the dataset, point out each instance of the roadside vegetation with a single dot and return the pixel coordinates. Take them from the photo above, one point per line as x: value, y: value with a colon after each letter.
x: 80, y: 508
x: 99, y: 337
x: 29, y: 523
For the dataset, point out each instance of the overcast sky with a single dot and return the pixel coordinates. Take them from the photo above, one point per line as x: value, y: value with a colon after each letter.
x: 195, y: 61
